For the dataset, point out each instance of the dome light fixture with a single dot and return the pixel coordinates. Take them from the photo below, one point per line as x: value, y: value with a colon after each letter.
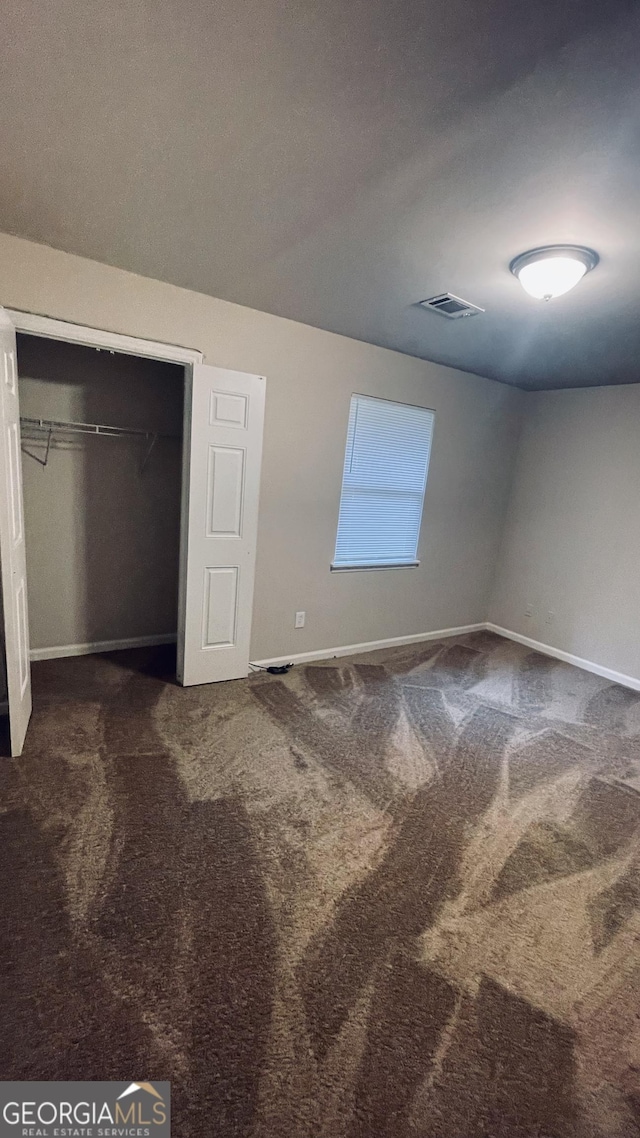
x: 552, y: 270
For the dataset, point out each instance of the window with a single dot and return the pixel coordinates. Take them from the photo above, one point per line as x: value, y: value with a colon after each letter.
x: 385, y: 475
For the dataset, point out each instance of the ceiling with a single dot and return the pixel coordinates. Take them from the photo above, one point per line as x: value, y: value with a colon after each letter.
x: 336, y: 161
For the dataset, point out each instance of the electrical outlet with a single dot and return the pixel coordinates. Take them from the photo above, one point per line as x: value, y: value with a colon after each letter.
x: 528, y: 612
x: 550, y: 617
x: 300, y: 619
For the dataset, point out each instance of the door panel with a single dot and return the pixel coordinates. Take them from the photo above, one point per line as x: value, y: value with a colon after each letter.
x: 227, y: 416
x: 221, y: 607
x: 225, y: 488
x: 12, y: 546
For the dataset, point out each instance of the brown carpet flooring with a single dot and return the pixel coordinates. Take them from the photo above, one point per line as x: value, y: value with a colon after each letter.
x: 391, y: 896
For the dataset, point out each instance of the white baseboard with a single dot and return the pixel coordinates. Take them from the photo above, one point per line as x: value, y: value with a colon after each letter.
x: 442, y: 634
x: 567, y: 657
x: 368, y: 646
x: 58, y: 651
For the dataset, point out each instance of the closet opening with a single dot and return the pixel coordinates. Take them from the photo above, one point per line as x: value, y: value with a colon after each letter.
x: 101, y: 437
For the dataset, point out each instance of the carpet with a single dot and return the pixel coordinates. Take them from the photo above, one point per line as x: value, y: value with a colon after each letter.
x: 388, y: 896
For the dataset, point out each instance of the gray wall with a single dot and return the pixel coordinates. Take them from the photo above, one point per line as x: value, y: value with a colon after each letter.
x: 102, y: 537
x: 311, y: 375
x: 571, y: 546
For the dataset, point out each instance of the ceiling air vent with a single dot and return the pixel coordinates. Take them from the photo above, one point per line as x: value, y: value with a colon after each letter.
x: 452, y: 306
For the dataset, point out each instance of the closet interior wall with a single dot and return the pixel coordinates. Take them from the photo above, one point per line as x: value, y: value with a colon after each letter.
x: 102, y: 525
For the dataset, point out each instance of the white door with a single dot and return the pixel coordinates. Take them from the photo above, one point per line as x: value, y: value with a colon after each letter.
x: 12, y: 548
x: 227, y: 416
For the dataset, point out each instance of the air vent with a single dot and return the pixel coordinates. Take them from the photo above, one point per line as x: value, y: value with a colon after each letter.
x: 451, y: 306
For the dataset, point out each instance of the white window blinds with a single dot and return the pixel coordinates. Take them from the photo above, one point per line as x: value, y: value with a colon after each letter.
x: 383, y: 485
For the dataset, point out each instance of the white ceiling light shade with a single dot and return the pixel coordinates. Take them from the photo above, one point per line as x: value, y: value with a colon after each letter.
x: 553, y: 269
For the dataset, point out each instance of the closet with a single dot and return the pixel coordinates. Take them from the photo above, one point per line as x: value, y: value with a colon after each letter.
x: 115, y: 530
x: 101, y: 440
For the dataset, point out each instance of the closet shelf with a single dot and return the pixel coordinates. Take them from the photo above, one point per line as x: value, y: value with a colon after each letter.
x: 49, y: 427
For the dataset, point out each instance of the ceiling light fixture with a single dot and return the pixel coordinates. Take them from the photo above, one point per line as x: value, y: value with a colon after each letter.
x: 553, y: 269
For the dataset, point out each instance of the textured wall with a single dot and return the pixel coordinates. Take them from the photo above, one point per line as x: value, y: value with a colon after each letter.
x: 311, y: 375
x: 571, y: 546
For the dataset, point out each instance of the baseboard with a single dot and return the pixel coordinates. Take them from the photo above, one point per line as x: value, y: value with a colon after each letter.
x: 58, y: 651
x: 368, y: 646
x: 442, y: 634
x: 567, y: 657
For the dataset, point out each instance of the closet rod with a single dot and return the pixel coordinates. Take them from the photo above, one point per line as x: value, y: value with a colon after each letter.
x: 51, y: 425
x: 90, y: 428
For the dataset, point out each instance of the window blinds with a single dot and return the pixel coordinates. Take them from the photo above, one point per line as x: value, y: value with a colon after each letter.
x: 383, y: 484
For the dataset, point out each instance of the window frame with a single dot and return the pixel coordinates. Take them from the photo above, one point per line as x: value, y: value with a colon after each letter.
x: 376, y: 567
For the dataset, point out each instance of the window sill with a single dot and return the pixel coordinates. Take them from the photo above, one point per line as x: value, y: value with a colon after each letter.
x: 374, y: 568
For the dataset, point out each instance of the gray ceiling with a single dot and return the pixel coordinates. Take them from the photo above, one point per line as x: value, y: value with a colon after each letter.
x: 335, y: 161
